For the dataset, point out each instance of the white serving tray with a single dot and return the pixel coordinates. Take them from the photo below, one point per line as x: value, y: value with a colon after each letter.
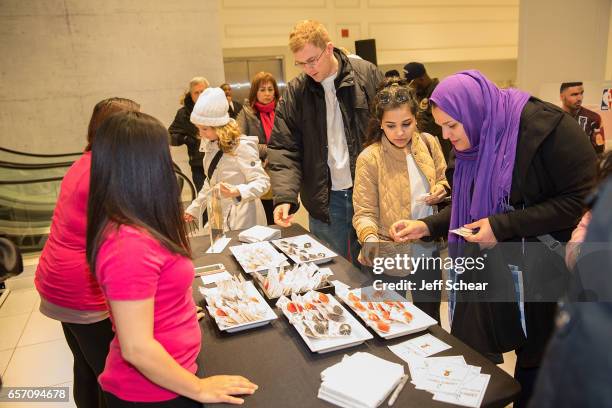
x: 420, y: 321
x: 251, y: 292
x: 359, y: 334
x: 316, y: 248
x: 244, y: 254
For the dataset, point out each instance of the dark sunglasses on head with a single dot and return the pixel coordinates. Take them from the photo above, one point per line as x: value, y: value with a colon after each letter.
x: 394, y: 94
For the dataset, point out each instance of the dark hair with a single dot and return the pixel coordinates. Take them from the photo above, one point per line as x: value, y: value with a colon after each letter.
x: 566, y: 85
x: 225, y: 84
x: 392, y: 73
x: 391, y: 94
x: 103, y: 110
x: 258, y: 79
x: 132, y: 182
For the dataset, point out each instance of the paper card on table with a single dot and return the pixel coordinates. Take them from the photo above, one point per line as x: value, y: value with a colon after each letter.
x: 216, y: 277
x: 218, y: 246
x: 426, y: 345
x: 443, y: 378
x: 470, y: 394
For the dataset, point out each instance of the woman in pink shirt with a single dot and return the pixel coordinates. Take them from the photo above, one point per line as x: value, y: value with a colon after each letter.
x: 68, y: 291
x: 138, y: 248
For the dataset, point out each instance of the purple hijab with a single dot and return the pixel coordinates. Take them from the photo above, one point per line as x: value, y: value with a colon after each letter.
x: 490, y: 117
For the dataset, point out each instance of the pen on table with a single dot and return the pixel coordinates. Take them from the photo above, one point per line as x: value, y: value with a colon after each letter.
x: 398, y: 389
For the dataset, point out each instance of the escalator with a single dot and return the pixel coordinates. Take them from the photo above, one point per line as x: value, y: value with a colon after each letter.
x: 29, y: 187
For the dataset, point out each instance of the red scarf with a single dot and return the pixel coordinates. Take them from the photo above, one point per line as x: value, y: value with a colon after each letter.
x: 266, y: 114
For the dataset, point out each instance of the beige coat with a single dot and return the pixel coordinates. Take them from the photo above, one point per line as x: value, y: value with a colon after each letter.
x: 381, y: 194
x: 243, y: 169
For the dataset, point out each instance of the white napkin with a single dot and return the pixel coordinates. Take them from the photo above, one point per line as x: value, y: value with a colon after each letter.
x: 259, y: 233
x: 361, y: 380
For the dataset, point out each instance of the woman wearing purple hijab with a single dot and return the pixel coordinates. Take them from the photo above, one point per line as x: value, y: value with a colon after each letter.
x: 522, y: 171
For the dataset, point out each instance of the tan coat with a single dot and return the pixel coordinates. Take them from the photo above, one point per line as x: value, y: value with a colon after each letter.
x: 381, y: 194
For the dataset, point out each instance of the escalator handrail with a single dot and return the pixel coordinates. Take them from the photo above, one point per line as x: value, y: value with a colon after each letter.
x: 4, y: 149
x: 34, y: 166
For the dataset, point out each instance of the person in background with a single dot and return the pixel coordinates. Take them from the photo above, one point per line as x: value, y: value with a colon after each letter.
x: 68, y: 291
x: 571, y: 94
x: 577, y: 365
x: 152, y: 357
x: 523, y: 170
x: 234, y: 106
x: 319, y: 129
x: 183, y: 132
x: 415, y: 73
x: 237, y: 173
x: 257, y: 119
x: 395, y: 173
x: 393, y: 73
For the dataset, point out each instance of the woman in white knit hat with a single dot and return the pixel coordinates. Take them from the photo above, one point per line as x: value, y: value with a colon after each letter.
x: 231, y: 164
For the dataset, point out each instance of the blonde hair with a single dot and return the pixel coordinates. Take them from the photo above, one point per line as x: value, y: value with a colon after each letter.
x: 194, y: 81
x: 229, y: 136
x: 308, y: 32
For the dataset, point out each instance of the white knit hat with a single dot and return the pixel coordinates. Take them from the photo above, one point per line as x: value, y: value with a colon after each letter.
x: 211, y: 108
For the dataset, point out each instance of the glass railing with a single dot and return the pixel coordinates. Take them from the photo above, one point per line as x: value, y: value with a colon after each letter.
x: 29, y: 187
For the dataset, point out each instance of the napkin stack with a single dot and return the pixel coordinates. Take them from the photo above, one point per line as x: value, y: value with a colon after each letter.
x: 360, y: 381
x: 259, y: 233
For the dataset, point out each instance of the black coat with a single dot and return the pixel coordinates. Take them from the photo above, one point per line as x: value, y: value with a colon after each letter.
x: 250, y: 124
x: 297, y: 151
x: 553, y: 173
x: 237, y: 109
x: 577, y: 367
x: 183, y: 132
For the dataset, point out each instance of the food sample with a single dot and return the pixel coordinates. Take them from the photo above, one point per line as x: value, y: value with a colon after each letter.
x: 234, y: 302
x: 316, y: 315
x: 304, y: 248
x: 295, y: 279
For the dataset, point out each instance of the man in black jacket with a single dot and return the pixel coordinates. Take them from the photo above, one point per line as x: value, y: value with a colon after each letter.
x: 183, y: 132
x: 424, y: 86
x: 234, y: 107
x: 319, y: 129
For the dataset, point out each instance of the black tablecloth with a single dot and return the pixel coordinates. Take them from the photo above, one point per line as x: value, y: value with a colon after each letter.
x: 288, y: 374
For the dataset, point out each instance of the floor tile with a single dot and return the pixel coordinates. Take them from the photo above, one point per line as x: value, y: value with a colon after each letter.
x: 40, y: 365
x: 12, y: 328
x: 509, y: 362
x: 19, y: 302
x: 5, y: 357
x: 39, y: 329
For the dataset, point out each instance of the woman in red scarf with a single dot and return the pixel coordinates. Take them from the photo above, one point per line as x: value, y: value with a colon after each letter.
x: 257, y: 119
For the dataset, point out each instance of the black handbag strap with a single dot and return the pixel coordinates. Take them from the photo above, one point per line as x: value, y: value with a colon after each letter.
x: 213, y: 164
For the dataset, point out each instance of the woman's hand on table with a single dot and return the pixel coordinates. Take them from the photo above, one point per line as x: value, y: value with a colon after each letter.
x: 406, y: 230
x: 222, y: 388
x: 282, y: 218
x: 437, y: 194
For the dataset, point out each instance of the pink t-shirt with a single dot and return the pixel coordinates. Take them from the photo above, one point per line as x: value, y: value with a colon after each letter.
x: 132, y: 265
x: 62, y: 276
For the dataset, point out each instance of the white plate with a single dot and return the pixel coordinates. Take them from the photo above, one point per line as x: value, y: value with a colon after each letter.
x: 315, y: 248
x: 359, y: 334
x: 420, y: 320
x: 258, y: 256
x: 251, y: 292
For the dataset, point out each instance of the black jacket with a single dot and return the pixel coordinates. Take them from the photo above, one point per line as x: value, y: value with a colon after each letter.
x: 553, y: 173
x: 237, y: 108
x: 297, y: 151
x: 577, y: 367
x: 250, y: 124
x: 183, y: 132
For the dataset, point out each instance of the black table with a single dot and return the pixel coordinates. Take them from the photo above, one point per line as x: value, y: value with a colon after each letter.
x: 276, y: 358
